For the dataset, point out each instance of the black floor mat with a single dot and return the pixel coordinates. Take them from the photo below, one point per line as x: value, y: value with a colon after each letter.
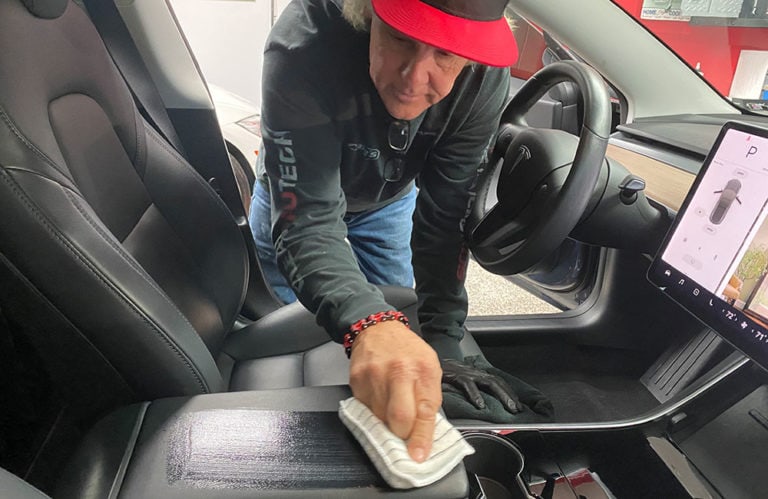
x: 585, y: 384
x: 579, y: 398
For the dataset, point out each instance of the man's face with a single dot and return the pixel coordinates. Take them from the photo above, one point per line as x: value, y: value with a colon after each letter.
x: 410, y: 76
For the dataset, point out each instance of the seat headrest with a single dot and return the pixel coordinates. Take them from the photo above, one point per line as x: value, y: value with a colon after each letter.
x: 47, y: 9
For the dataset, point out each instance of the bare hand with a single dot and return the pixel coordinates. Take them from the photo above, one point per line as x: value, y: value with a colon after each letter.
x: 397, y: 375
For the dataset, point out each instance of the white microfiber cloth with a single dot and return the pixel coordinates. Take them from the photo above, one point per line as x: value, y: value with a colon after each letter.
x: 389, y: 453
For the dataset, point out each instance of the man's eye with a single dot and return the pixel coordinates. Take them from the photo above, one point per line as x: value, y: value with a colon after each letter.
x: 447, y: 60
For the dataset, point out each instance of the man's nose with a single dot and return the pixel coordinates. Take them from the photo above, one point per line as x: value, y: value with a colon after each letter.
x: 417, y: 68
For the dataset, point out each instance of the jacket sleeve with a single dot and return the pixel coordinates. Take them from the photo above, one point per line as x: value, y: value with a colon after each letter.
x: 302, y: 158
x: 446, y: 189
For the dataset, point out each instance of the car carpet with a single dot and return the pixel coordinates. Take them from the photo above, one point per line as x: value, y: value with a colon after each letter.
x: 585, y: 384
x: 580, y: 398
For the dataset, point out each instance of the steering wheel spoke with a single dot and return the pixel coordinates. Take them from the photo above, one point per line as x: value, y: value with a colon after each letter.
x: 495, y: 230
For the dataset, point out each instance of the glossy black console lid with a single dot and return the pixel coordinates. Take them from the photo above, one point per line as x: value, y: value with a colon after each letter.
x: 281, y: 443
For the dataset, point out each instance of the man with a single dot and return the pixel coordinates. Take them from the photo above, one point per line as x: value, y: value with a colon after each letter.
x: 356, y: 107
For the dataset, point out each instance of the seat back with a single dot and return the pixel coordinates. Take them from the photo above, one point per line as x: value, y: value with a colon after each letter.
x: 118, y: 262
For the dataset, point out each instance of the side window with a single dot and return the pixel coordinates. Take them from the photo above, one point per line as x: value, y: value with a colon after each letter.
x: 560, y: 108
x: 531, y: 44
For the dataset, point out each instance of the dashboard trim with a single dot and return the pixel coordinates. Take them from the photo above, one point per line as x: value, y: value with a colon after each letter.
x: 664, y: 183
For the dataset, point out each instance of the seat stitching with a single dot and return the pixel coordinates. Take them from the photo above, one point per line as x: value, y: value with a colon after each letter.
x: 35, y: 290
x: 36, y: 173
x: 137, y: 145
x: 125, y: 256
x: 21, y: 195
x: 8, y: 121
x: 197, y: 176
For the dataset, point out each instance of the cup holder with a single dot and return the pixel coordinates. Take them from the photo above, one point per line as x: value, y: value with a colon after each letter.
x: 494, y: 469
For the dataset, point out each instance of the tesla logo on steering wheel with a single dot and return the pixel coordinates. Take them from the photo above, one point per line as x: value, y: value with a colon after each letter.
x: 523, y: 154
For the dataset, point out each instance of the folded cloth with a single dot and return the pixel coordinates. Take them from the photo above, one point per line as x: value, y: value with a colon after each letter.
x: 389, y: 453
x: 537, y: 407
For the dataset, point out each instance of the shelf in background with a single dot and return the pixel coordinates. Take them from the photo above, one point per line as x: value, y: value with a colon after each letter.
x: 752, y: 22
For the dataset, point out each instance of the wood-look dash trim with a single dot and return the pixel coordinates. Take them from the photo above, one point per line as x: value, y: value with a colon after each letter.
x: 664, y: 183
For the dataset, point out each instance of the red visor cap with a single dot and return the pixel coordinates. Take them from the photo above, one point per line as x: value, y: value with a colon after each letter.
x: 473, y: 29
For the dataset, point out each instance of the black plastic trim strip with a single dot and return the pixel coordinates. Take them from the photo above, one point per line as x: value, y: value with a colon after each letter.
x: 117, y: 483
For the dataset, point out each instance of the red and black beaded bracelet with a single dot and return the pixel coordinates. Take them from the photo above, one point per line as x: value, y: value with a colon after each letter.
x: 363, y: 324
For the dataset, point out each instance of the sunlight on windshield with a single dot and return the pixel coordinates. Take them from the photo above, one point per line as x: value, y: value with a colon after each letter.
x: 726, y: 41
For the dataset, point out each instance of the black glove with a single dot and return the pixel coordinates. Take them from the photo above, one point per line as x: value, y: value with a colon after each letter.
x: 461, y: 390
x: 469, y: 380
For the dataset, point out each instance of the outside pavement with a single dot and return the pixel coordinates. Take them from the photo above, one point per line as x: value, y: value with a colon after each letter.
x: 490, y: 294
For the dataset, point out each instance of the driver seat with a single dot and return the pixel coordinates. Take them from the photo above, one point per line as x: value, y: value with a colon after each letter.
x: 120, y: 266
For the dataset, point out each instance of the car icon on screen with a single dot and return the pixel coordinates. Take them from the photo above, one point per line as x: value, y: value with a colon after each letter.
x: 727, y: 195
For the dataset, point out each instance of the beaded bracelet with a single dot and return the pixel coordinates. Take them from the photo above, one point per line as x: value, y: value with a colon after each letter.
x: 363, y: 324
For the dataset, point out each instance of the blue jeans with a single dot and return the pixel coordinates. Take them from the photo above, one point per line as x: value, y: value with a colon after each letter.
x: 380, y: 240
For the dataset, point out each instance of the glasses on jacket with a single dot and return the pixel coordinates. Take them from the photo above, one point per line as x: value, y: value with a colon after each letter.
x: 398, y: 134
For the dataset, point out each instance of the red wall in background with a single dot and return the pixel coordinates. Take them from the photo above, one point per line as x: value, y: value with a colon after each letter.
x: 716, y: 48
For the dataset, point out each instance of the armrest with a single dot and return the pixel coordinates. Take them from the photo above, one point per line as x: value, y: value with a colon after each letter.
x: 292, y: 328
x: 286, y: 443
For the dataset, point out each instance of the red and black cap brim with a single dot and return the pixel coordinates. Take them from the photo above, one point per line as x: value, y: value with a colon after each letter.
x: 488, y: 42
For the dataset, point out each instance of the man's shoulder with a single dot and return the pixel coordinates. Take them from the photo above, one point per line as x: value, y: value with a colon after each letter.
x: 489, y: 78
x: 304, y: 24
x: 476, y: 84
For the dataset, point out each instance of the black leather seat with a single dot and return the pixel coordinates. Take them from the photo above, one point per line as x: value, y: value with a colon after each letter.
x: 118, y: 262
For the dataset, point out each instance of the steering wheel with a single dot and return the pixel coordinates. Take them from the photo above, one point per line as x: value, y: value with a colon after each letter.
x: 546, y: 178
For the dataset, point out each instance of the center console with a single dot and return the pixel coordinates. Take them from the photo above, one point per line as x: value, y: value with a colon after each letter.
x: 710, y: 442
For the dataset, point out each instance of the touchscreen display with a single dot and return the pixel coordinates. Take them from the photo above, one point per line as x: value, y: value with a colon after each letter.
x: 714, y: 260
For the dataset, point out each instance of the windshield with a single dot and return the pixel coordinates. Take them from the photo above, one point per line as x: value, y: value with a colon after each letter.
x: 725, y: 41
